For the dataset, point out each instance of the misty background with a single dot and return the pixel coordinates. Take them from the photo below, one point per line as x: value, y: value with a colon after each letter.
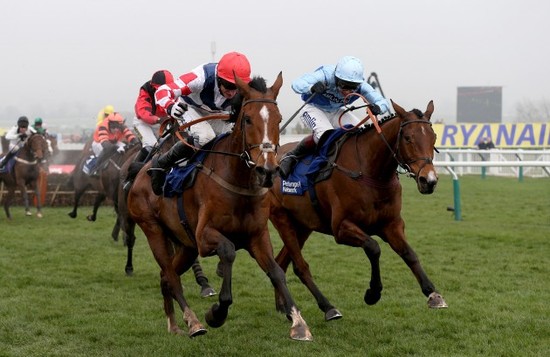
x: 63, y: 60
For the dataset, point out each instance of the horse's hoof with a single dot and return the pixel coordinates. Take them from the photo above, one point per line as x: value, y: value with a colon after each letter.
x: 28, y: 213
x: 129, y: 271
x: 207, y: 292
x: 333, y: 314
x: 198, y: 331
x: 71, y: 214
x: 301, y: 333
x: 436, y: 301
x: 372, y: 297
x: 39, y: 215
x: 90, y: 218
x: 215, y: 321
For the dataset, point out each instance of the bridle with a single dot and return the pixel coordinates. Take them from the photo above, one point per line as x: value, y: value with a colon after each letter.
x: 245, y: 155
x: 265, y: 148
x: 32, y: 152
x: 399, y: 158
x: 395, y: 153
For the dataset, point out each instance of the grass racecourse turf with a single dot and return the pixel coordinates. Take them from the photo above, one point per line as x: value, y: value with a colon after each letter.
x: 63, y: 291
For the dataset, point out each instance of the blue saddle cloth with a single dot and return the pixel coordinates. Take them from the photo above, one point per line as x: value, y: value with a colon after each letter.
x: 305, y: 171
x: 9, y: 166
x: 181, y: 177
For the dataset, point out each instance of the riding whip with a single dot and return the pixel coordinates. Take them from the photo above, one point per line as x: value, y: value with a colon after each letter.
x: 294, y: 115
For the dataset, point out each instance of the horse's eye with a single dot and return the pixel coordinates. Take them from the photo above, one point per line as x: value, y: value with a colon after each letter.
x: 247, y: 119
x: 407, y: 138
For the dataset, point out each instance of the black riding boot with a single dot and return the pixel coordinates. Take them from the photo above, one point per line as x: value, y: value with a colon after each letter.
x: 164, y: 162
x: 291, y: 158
x: 140, y: 158
x: 108, y: 151
x: 142, y: 154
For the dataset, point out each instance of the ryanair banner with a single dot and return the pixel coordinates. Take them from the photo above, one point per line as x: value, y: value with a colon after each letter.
x: 468, y: 135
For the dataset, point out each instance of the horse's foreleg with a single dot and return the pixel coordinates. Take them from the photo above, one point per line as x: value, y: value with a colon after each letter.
x: 217, y: 314
x: 98, y: 200
x: 77, y: 195
x: 202, y: 280
x: 398, y: 243
x: 262, y: 252
x: 23, y: 189
x: 294, y: 239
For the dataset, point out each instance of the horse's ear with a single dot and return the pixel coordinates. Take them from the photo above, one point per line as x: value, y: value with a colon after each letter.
x: 429, y: 110
x: 400, y: 111
x: 277, y: 85
x: 243, y: 87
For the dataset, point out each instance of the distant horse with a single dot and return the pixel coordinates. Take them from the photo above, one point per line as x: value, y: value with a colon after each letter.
x: 358, y: 196
x: 226, y: 209
x: 126, y: 224
x: 29, y: 160
x: 105, y: 182
x: 52, y: 144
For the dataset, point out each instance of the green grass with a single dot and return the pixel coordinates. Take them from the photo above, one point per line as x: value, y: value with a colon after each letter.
x: 63, y: 291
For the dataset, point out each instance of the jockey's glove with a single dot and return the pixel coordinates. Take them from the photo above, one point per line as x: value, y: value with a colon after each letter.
x: 176, y: 110
x: 318, y: 88
x: 375, y: 109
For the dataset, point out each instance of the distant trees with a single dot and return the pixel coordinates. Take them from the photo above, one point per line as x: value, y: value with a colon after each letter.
x: 528, y: 111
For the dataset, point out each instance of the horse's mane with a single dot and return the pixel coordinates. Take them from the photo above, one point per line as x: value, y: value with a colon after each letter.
x: 418, y: 112
x: 257, y: 83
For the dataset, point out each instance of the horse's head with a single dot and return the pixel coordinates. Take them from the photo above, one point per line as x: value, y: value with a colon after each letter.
x: 416, y: 145
x: 258, y: 122
x: 38, y: 147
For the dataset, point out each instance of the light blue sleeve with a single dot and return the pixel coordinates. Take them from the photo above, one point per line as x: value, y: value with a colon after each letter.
x: 303, y: 84
x: 373, y: 96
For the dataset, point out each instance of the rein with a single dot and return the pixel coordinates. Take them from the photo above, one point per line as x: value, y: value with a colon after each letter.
x: 245, y: 155
x: 395, y: 153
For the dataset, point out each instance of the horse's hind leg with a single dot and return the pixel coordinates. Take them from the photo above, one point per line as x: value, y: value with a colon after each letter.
x: 351, y: 235
x: 38, y: 196
x: 397, y: 242
x: 116, y: 229
x: 202, y: 280
x: 181, y: 262
x: 217, y: 314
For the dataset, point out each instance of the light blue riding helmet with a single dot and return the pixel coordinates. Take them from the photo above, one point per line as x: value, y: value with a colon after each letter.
x: 350, y: 69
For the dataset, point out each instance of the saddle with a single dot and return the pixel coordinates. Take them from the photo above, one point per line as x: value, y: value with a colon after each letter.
x: 182, y: 176
x: 316, y: 167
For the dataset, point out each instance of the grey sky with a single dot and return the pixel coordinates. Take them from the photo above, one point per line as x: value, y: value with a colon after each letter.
x: 65, y: 59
